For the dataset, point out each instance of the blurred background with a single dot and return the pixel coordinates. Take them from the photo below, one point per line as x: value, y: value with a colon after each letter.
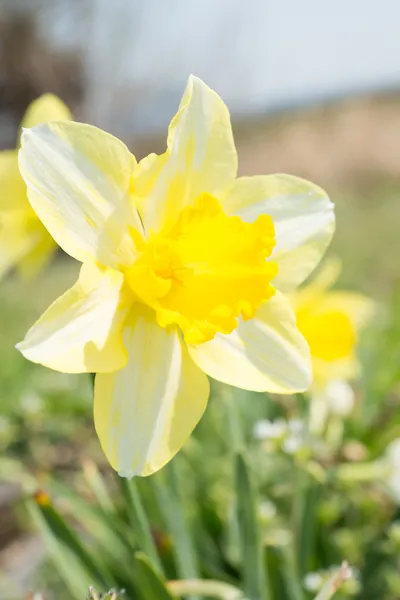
x: 314, y: 90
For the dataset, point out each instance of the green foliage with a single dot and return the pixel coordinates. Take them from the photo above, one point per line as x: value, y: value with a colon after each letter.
x: 232, y: 517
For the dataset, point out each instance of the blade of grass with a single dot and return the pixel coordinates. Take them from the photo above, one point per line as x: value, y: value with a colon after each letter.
x: 76, y: 566
x: 139, y: 522
x: 251, y: 548
x: 169, y: 499
x: 148, y: 582
x: 205, y: 588
x: 305, y: 521
x: 282, y: 574
x: 96, y: 483
x: 107, y: 530
x: 105, y: 527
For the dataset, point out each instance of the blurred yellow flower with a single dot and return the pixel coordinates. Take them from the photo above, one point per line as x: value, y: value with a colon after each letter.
x: 24, y: 241
x: 330, y: 320
x: 178, y: 257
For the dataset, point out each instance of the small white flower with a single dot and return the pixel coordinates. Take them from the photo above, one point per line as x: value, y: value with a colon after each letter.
x: 296, y: 425
x: 32, y: 403
x: 269, y: 430
x: 267, y: 510
x: 313, y: 582
x: 292, y: 444
x: 340, y: 398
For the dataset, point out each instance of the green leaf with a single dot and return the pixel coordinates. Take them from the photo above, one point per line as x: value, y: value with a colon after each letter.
x: 105, y: 527
x: 171, y: 506
x: 77, y: 567
x: 305, y: 524
x: 139, y: 522
x: 148, y: 582
x: 97, y: 484
x: 283, y: 579
x: 206, y: 588
x: 250, y: 543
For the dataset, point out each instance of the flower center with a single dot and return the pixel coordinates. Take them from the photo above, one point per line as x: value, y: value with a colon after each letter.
x: 330, y: 334
x: 206, y: 271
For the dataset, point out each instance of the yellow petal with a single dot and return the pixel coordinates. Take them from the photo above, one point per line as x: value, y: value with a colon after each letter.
x: 302, y: 214
x: 16, y: 242
x: 24, y: 243
x: 38, y: 257
x: 327, y: 275
x: 79, y: 184
x: 145, y: 412
x: 330, y: 321
x: 201, y: 157
x: 316, y: 289
x: 344, y: 369
x: 266, y: 354
x: 45, y: 108
x: 358, y: 308
x: 13, y: 198
x: 329, y: 332
x: 81, y: 331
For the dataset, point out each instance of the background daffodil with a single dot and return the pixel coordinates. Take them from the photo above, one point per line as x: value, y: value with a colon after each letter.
x: 331, y: 320
x: 178, y: 259
x: 24, y: 241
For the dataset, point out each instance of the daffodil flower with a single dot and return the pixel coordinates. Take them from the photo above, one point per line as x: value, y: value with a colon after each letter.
x: 178, y: 259
x: 24, y: 241
x: 331, y: 320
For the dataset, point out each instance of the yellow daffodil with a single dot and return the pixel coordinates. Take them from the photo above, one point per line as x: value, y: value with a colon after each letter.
x: 178, y: 262
x: 24, y: 241
x: 330, y: 320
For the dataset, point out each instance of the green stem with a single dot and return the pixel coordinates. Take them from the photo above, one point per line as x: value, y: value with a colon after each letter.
x: 367, y: 471
x: 205, y: 588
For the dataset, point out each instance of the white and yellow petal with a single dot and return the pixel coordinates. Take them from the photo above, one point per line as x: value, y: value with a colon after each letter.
x: 265, y: 354
x: 302, y: 214
x: 201, y: 158
x: 79, y: 184
x: 145, y: 412
x: 45, y: 108
x: 81, y: 332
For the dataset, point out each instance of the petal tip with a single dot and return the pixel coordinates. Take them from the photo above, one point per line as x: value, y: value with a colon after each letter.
x: 194, y: 79
x: 20, y: 346
x: 127, y: 474
x: 24, y: 135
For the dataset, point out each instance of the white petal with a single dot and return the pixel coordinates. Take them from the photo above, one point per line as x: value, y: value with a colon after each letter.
x: 79, y: 184
x: 81, y: 331
x: 201, y: 157
x: 302, y: 214
x: 145, y: 412
x: 265, y: 354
